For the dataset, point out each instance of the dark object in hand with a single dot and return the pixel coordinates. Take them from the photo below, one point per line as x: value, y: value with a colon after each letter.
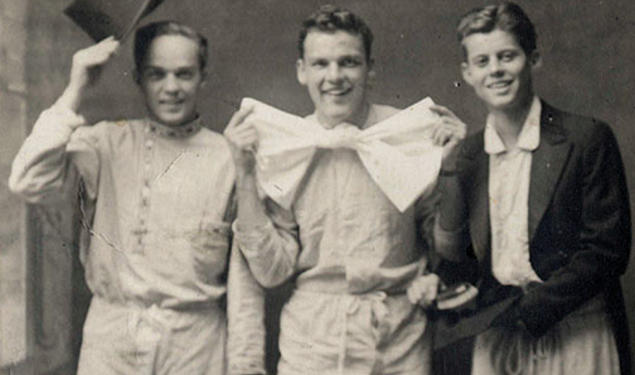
x: 456, y: 297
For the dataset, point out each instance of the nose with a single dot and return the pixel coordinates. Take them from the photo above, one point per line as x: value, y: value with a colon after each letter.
x: 333, y: 72
x: 495, y: 67
x: 171, y: 83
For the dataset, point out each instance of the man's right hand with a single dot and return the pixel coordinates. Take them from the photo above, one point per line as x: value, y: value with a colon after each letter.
x: 85, y: 70
x: 243, y: 140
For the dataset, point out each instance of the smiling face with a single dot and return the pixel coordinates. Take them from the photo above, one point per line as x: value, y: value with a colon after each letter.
x: 170, y: 79
x: 335, y: 71
x: 499, y: 70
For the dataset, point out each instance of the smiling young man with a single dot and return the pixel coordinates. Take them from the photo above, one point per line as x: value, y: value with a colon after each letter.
x: 539, y: 198
x: 157, y: 203
x: 351, y: 251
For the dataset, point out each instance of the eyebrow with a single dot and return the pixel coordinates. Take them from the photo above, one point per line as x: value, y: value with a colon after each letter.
x: 179, y: 68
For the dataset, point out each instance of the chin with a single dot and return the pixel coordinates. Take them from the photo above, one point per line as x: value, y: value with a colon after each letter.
x: 172, y: 121
x: 499, y: 103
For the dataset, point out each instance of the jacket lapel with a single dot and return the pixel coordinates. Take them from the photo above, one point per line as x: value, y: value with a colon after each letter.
x: 547, y: 163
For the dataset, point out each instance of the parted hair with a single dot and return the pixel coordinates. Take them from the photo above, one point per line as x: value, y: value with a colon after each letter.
x: 505, y: 16
x: 146, y: 34
x: 329, y: 18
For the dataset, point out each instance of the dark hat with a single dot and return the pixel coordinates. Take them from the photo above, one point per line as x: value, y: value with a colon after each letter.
x: 102, y: 18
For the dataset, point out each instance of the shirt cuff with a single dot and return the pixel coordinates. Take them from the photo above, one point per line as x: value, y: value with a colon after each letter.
x: 450, y: 244
x: 251, y: 240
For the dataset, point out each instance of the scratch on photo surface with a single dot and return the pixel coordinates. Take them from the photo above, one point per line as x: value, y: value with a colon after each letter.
x: 180, y: 155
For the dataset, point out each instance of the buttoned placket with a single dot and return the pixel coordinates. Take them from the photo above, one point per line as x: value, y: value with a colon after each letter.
x: 144, y: 203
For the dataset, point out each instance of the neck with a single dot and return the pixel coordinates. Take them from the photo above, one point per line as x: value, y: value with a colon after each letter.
x: 184, y: 129
x: 358, y: 118
x: 509, y: 122
x: 186, y: 122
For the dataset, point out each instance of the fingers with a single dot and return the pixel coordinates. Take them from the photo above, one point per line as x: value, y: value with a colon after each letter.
x: 441, y: 135
x: 96, y: 54
x: 241, y: 133
x: 423, y: 290
x: 239, y: 117
x: 245, y: 138
x: 449, y: 128
x: 442, y: 111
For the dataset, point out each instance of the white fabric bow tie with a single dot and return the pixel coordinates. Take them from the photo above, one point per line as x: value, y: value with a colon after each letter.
x: 398, y: 152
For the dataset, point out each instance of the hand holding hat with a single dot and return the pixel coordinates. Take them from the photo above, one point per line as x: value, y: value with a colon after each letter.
x: 87, y: 64
x: 104, y: 18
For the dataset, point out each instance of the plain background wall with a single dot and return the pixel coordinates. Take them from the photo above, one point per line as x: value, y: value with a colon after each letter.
x: 588, y: 49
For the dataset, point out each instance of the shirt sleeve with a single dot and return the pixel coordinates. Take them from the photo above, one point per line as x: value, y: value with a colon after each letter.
x: 424, y: 211
x: 271, y: 249
x: 450, y: 228
x: 245, y: 312
x: 47, y: 163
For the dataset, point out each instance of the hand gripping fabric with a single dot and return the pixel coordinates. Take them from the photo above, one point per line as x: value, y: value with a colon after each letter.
x: 398, y: 152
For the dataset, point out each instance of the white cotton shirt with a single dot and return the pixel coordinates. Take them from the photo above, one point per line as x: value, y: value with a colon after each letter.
x: 156, y: 213
x: 352, y: 254
x: 509, y: 176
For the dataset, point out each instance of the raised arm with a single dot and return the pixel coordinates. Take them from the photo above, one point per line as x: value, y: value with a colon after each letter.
x: 266, y: 234
x: 42, y: 168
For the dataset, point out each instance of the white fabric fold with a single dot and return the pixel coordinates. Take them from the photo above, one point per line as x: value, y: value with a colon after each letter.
x: 398, y: 152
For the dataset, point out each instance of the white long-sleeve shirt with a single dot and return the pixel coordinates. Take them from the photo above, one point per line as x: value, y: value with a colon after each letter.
x: 158, y: 204
x: 353, y: 254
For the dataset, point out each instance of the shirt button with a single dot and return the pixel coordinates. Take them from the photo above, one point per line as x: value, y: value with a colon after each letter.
x: 149, y: 143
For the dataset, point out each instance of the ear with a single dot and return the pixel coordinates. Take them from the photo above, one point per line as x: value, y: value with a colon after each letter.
x: 136, y: 76
x: 301, y: 71
x: 466, y: 73
x: 203, y: 78
x: 371, y: 64
x: 535, y: 59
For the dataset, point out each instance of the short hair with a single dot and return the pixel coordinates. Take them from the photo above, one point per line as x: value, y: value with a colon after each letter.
x: 146, y: 34
x: 329, y: 18
x: 505, y: 16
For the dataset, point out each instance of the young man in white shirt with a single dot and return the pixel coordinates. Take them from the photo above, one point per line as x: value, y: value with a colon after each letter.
x: 351, y: 251
x: 157, y: 197
x: 539, y: 198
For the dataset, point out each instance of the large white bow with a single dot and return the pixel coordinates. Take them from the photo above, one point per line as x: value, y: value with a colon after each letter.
x: 398, y: 152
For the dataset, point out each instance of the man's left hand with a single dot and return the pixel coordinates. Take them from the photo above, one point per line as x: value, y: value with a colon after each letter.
x: 449, y: 133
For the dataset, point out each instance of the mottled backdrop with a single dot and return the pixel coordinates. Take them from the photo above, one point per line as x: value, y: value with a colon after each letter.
x: 589, y: 68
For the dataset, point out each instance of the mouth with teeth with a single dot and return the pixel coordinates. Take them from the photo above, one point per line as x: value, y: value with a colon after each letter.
x: 171, y: 104
x: 337, y: 92
x: 500, y: 85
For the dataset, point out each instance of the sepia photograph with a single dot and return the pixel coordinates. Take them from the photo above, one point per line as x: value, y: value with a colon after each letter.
x: 320, y: 187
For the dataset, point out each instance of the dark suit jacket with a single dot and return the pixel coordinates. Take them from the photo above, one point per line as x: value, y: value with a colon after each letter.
x: 579, y: 222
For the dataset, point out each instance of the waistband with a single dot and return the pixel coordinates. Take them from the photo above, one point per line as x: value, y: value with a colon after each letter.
x: 155, y: 310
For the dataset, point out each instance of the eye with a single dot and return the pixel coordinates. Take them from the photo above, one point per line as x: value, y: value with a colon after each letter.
x: 350, y: 62
x: 480, y: 61
x: 153, y: 74
x: 320, y: 63
x: 508, y: 56
x: 186, y: 74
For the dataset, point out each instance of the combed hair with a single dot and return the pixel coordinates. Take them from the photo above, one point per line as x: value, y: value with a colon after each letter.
x: 506, y: 16
x: 146, y: 34
x: 330, y: 18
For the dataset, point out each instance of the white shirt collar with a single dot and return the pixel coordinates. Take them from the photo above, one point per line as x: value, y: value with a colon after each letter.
x: 528, y: 139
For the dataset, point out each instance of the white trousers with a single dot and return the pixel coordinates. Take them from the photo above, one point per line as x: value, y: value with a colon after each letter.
x: 326, y: 333
x: 581, y: 344
x: 133, y: 340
